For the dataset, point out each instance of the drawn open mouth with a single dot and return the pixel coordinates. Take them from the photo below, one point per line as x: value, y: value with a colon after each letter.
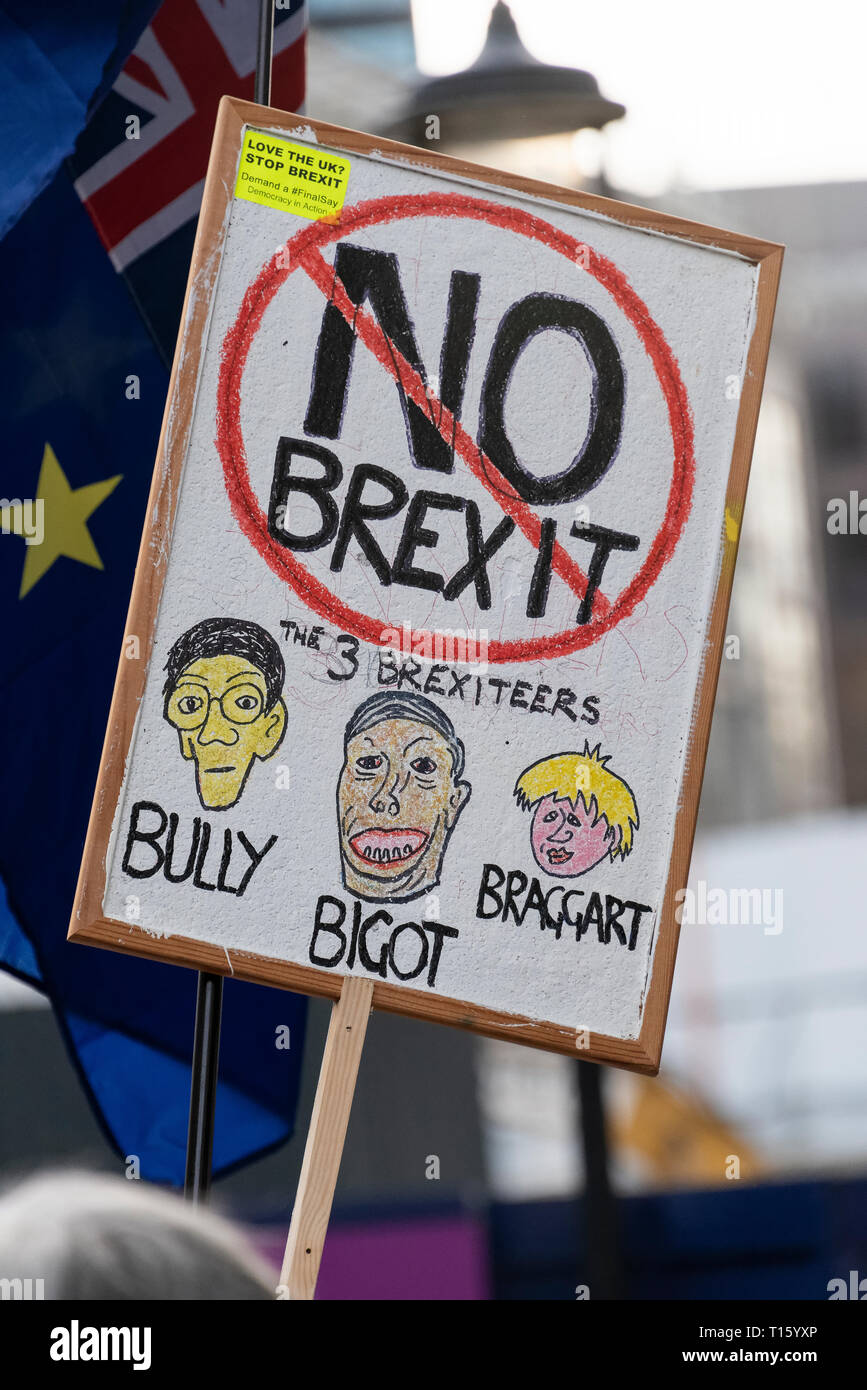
x: 388, y: 846
x: 559, y: 856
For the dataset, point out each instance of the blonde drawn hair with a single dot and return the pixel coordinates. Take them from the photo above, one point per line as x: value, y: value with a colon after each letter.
x: 583, y: 775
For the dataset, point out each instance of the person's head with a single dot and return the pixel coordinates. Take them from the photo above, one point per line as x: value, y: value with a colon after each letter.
x: 582, y: 813
x: 399, y: 795
x: 95, y: 1237
x: 222, y: 693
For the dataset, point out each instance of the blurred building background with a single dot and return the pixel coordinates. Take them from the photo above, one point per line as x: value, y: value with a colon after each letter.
x: 765, y: 1056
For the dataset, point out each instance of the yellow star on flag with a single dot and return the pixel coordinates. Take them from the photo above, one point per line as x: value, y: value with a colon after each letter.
x: 65, y: 513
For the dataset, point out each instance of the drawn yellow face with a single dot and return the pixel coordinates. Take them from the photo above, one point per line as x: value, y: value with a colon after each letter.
x: 218, y: 708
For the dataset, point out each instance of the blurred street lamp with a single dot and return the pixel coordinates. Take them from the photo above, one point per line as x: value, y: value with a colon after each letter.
x: 505, y: 95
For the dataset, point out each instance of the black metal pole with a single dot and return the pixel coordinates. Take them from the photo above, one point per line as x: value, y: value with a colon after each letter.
x: 203, y: 1086
x: 604, y: 1264
x: 264, y: 53
x: 209, y: 996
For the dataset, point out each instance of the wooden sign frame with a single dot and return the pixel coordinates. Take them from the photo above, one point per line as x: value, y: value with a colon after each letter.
x: 88, y: 924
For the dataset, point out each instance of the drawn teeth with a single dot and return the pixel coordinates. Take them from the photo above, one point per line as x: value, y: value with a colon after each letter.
x: 383, y: 855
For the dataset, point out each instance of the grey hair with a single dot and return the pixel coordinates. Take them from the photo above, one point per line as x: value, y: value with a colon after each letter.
x: 406, y: 705
x: 89, y: 1236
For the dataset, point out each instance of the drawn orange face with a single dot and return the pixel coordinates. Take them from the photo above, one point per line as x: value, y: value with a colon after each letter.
x: 218, y: 708
x: 397, y: 802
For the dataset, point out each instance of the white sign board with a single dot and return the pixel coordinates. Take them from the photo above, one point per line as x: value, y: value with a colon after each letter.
x: 432, y: 591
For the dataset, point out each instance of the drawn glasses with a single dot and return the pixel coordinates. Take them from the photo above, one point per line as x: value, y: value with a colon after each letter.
x: 188, y: 707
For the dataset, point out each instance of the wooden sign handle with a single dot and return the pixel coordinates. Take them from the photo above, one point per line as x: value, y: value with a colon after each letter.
x: 325, y: 1138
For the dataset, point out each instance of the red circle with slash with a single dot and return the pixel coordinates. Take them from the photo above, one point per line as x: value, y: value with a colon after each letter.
x: 303, y: 252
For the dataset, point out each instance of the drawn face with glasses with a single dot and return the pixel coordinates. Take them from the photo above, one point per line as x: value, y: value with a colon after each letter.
x: 219, y: 706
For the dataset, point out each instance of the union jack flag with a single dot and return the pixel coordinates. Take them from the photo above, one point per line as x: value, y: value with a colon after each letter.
x: 139, y: 167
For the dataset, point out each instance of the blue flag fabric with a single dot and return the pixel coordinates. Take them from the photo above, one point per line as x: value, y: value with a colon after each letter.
x: 83, y: 391
x: 55, y: 65
x: 17, y: 955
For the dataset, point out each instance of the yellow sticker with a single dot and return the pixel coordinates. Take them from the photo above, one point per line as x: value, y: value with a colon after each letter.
x: 302, y: 179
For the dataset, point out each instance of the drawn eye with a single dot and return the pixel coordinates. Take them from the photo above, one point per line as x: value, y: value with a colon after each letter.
x: 189, y: 704
x: 573, y: 820
x: 424, y: 765
x: 551, y: 815
x: 369, y: 763
x: 242, y: 704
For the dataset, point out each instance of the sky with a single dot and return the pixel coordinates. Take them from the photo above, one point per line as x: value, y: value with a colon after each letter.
x: 745, y: 93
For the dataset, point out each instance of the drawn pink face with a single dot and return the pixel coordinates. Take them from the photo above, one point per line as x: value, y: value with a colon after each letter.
x: 565, y: 841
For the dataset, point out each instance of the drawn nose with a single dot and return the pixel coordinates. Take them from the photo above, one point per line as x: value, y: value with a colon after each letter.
x: 216, y: 728
x: 385, y: 802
